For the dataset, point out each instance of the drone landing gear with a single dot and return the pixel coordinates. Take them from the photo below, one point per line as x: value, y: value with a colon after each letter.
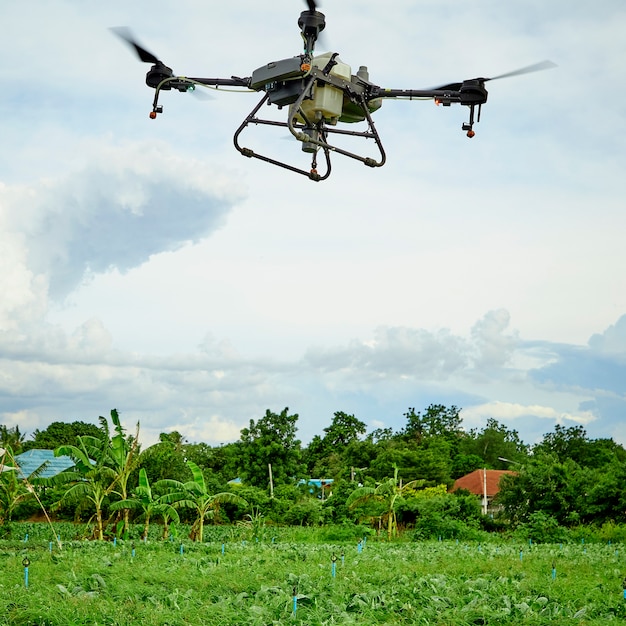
x: 314, y: 137
x: 469, y: 125
x: 247, y: 152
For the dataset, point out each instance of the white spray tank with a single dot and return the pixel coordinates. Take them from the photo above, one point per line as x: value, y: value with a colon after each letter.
x: 327, y: 100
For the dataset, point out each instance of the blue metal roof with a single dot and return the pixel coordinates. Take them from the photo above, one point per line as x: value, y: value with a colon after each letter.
x: 29, y: 461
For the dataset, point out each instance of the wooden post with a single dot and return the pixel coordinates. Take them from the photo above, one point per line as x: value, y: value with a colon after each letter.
x: 485, y: 491
x: 269, y: 467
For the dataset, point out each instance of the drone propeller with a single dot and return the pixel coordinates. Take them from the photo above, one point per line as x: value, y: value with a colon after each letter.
x: 126, y: 35
x: 536, y: 67
x: 312, y: 5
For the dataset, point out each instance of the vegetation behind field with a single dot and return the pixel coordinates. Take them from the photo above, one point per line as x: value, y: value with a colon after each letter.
x: 565, y: 488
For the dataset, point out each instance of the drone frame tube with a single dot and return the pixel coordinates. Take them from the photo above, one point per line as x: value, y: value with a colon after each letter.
x: 247, y: 152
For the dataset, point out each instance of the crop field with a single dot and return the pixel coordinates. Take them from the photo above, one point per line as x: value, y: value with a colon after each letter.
x: 280, y: 581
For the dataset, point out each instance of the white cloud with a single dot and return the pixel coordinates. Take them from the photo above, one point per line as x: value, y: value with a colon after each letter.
x: 508, y: 412
x: 147, y: 263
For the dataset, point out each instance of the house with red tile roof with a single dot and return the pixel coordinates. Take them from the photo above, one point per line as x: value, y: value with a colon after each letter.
x: 484, y: 483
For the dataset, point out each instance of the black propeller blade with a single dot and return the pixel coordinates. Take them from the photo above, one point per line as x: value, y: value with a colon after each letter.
x: 125, y: 34
x: 536, y: 67
x: 312, y: 5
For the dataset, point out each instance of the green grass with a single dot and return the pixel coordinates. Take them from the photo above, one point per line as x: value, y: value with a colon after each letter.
x: 421, y: 583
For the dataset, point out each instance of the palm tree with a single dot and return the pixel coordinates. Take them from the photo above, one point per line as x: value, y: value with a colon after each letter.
x: 194, y: 495
x: 389, y: 493
x: 148, y: 503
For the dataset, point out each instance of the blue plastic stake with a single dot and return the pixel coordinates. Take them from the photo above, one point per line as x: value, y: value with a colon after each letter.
x: 133, y: 553
x: 114, y: 542
x: 530, y: 542
x: 334, y: 565
x: 343, y: 559
x: 295, y: 605
x: 50, y: 547
x: 439, y: 538
x: 26, y: 538
x: 222, y: 548
x: 26, y: 563
x: 273, y: 539
x: 182, y: 549
x: 521, y: 555
x: 359, y: 547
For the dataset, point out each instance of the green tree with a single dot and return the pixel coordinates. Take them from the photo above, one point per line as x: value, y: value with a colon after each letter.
x: 195, y: 495
x: 11, y: 438
x: 270, y: 440
x: 326, y: 456
x: 389, y: 494
x: 343, y: 430
x: 494, y: 443
x: 573, y: 443
x: 61, y: 434
x: 436, y: 421
x: 165, y: 459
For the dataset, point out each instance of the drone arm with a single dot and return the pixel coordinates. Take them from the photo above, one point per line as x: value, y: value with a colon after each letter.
x: 470, y: 93
x: 234, y: 81
x: 441, y: 95
x: 159, y: 81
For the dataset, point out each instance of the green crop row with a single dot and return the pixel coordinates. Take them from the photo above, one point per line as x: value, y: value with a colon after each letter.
x: 247, y: 582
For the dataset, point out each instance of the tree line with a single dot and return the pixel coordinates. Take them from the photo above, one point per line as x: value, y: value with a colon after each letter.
x: 383, y: 478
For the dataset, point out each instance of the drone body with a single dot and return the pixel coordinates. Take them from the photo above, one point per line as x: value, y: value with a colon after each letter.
x: 319, y: 92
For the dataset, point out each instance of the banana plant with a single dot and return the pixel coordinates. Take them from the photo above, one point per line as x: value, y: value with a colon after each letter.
x: 146, y: 501
x: 92, y: 480
x: 13, y: 490
x: 389, y: 493
x: 123, y: 456
x: 194, y: 495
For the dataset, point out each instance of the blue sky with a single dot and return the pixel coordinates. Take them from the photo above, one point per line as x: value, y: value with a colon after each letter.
x: 147, y: 266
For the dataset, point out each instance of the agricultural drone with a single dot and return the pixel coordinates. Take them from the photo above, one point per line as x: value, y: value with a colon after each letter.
x: 319, y: 92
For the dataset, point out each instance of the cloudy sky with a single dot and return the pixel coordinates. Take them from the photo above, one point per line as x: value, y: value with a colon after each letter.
x: 145, y: 265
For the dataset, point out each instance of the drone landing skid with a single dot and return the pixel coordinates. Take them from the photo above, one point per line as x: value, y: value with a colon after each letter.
x: 247, y: 152
x: 314, y: 137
